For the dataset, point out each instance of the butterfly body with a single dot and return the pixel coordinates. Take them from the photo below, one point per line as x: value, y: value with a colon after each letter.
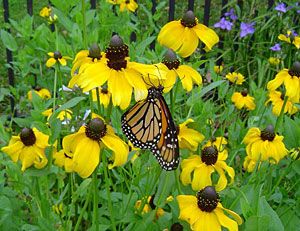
x: 149, y: 125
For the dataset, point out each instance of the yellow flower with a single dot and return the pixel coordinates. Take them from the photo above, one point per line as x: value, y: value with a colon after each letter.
x: 290, y: 37
x: 129, y: 5
x: 277, y: 100
x: 58, y: 208
x: 220, y: 142
x: 104, y: 96
x: 204, y: 212
x: 295, y: 153
x: 249, y: 164
x: 29, y: 148
x: 243, y: 100
x: 86, y: 57
x: 64, y: 115
x: 187, y: 137
x: 218, y: 69
x: 61, y: 159
x: 84, y: 147
x: 211, y: 160
x: 264, y: 145
x: 45, y: 12
x: 149, y: 206
x: 116, y: 70
x: 291, y: 80
x: 183, y: 35
x: 274, y: 61
x: 56, y: 56
x: 42, y: 92
x: 236, y: 78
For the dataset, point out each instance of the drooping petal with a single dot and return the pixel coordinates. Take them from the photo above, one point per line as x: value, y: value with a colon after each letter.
x: 222, y: 182
x: 14, y: 148
x: 188, y: 166
x: 86, y: 157
x: 189, y: 210
x: 40, y: 160
x: 206, y: 35
x: 62, y: 61
x: 119, y: 148
x: 27, y: 157
x: 228, y: 169
x: 50, y: 62
x: 41, y: 138
x: 202, y: 177
x: 279, y: 79
x: 207, y: 222
x: 189, y: 43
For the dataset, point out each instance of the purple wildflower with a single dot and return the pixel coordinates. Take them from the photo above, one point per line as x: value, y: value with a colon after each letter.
x: 247, y: 28
x: 281, y: 7
x: 276, y: 47
x: 231, y: 14
x: 224, y: 24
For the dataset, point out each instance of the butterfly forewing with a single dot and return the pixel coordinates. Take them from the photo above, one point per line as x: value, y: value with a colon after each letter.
x: 142, y: 124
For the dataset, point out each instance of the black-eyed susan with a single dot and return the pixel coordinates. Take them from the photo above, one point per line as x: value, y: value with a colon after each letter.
x: 183, y: 35
x: 212, y: 159
x: 64, y: 115
x: 84, y: 147
x: 148, y: 207
x: 104, y: 96
x: 63, y: 160
x: 116, y: 70
x: 264, y: 145
x: 44, y: 93
x: 93, y: 54
x: 129, y: 5
x: 291, y: 80
x: 243, y: 100
x: 249, y: 164
x: 45, y: 12
x: 274, y: 61
x: 277, y: 100
x: 218, y: 69
x: 204, y: 212
x: 56, y: 57
x: 166, y: 72
x: 290, y: 37
x: 235, y: 77
x: 29, y: 148
x: 188, y: 137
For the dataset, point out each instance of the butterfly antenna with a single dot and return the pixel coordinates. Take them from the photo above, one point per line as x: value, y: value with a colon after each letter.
x: 145, y: 81
x: 159, y: 77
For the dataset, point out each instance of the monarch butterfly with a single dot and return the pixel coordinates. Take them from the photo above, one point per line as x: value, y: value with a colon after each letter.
x: 149, y: 125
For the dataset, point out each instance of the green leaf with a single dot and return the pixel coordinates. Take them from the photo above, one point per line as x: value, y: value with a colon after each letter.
x: 292, y: 132
x: 296, y: 166
x: 55, y: 126
x: 8, y: 40
x: 257, y: 223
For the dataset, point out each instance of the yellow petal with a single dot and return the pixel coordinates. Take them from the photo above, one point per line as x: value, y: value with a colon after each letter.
x: 119, y: 148
x: 27, y: 157
x: 41, y: 138
x: 189, y: 210
x: 86, y: 157
x: 50, y: 62
x: 62, y: 61
x: 222, y: 182
x: 202, y: 177
x: 206, y: 35
x: 188, y: 166
x: 207, y: 222
x: 189, y: 43
x: 279, y: 79
x: 235, y: 216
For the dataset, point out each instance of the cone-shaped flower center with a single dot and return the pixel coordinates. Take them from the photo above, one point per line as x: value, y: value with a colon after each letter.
x: 104, y: 91
x: 170, y: 60
x: 295, y: 69
x: 94, y: 51
x: 27, y: 137
x: 209, y: 155
x: 116, y: 53
x: 95, y: 129
x: 176, y: 227
x: 268, y: 133
x: 57, y: 55
x: 244, y: 92
x: 207, y: 199
x: 189, y: 19
x: 151, y: 202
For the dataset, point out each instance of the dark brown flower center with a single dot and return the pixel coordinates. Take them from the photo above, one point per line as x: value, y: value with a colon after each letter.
x: 94, y: 51
x: 170, y: 60
x: 116, y: 53
x: 209, y: 155
x: 295, y: 70
x: 27, y: 137
x: 151, y: 202
x: 268, y: 133
x: 95, y: 129
x: 189, y: 19
x: 176, y: 227
x: 244, y: 92
x: 57, y: 55
x: 207, y: 199
x: 104, y: 90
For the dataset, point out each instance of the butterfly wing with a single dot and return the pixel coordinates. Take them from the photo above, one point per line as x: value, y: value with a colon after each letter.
x: 142, y: 123
x: 166, y: 150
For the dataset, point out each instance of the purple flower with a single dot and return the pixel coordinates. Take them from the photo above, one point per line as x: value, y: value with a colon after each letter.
x: 231, y: 14
x: 281, y: 7
x: 224, y: 24
x: 247, y: 28
x: 276, y: 47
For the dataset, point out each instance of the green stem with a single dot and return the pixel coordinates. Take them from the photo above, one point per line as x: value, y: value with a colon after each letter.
x: 56, y: 37
x: 98, y: 100
x: 91, y: 102
x: 55, y: 89
x: 83, y: 209
x: 280, y: 117
x: 84, y: 23
x: 95, y: 205
x: 176, y: 174
x: 107, y: 184
x: 108, y: 112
